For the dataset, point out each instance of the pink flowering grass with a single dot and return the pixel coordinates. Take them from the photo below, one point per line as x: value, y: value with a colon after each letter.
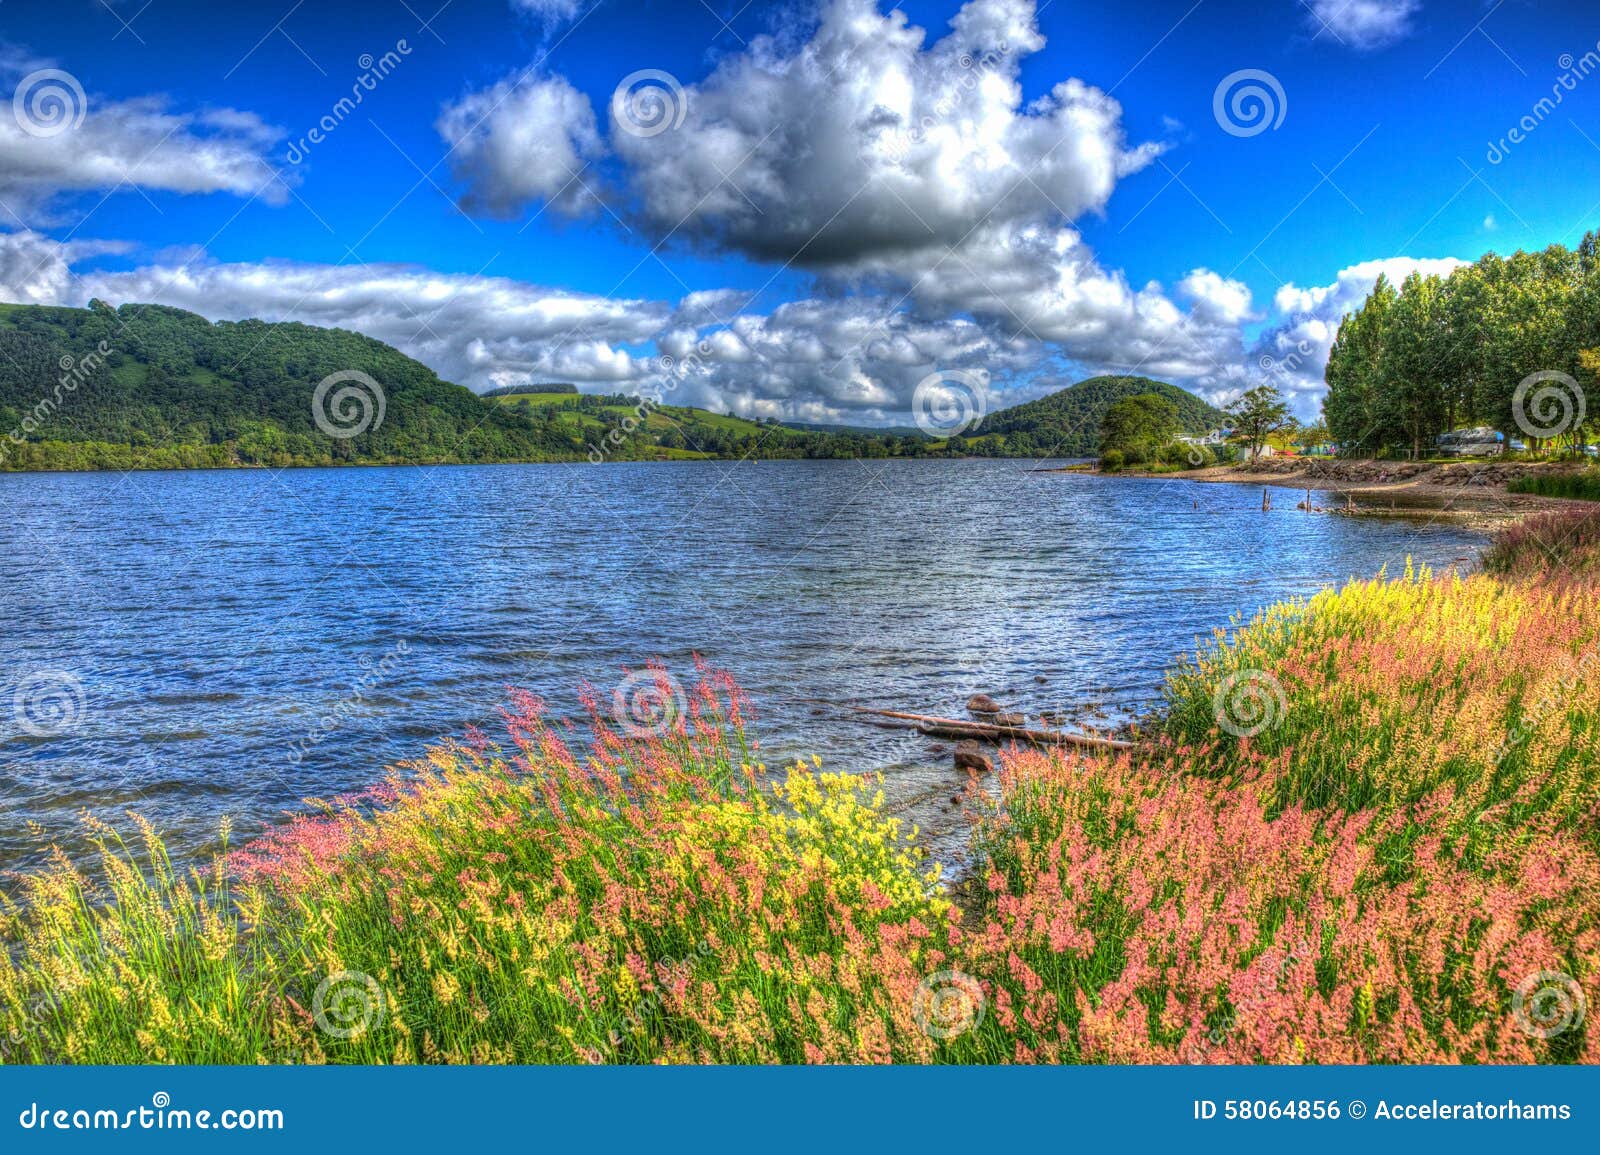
x: 1145, y: 913
x: 1565, y: 539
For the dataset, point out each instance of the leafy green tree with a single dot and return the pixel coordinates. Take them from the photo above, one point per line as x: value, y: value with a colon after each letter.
x: 1308, y: 437
x: 1138, y: 427
x: 1413, y: 404
x: 1355, y: 372
x: 1441, y: 354
x: 1257, y: 415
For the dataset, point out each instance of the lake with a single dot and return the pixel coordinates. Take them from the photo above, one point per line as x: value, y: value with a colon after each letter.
x: 174, y: 640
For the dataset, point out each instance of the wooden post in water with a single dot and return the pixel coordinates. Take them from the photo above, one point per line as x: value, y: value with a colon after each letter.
x: 1266, y: 500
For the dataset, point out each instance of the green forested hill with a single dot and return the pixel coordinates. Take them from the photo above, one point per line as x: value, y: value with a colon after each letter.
x: 1067, y: 423
x: 146, y: 385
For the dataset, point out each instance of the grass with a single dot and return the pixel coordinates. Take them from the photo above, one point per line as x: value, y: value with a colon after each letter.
x: 1560, y: 543
x: 534, y: 398
x: 1365, y: 832
x: 1581, y: 484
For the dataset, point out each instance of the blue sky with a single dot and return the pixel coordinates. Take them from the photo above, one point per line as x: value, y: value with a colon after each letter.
x: 543, y: 241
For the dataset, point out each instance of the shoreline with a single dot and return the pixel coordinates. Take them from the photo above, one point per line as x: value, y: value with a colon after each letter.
x: 238, y: 466
x: 1470, y: 494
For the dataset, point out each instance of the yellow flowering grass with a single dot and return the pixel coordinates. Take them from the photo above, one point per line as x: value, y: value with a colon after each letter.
x: 655, y: 898
x: 1380, y: 693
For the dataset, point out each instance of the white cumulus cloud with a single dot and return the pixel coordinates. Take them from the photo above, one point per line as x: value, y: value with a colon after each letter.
x: 59, y: 138
x: 523, y: 140
x: 1363, y: 24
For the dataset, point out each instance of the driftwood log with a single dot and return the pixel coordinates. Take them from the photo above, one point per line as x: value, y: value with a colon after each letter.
x: 956, y: 728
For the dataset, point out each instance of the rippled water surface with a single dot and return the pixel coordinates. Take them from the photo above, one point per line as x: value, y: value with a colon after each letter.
x: 213, y: 618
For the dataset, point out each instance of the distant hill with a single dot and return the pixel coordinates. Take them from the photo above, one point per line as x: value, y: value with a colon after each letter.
x: 685, y: 432
x: 1067, y: 423
x: 146, y: 386
x: 823, y: 427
